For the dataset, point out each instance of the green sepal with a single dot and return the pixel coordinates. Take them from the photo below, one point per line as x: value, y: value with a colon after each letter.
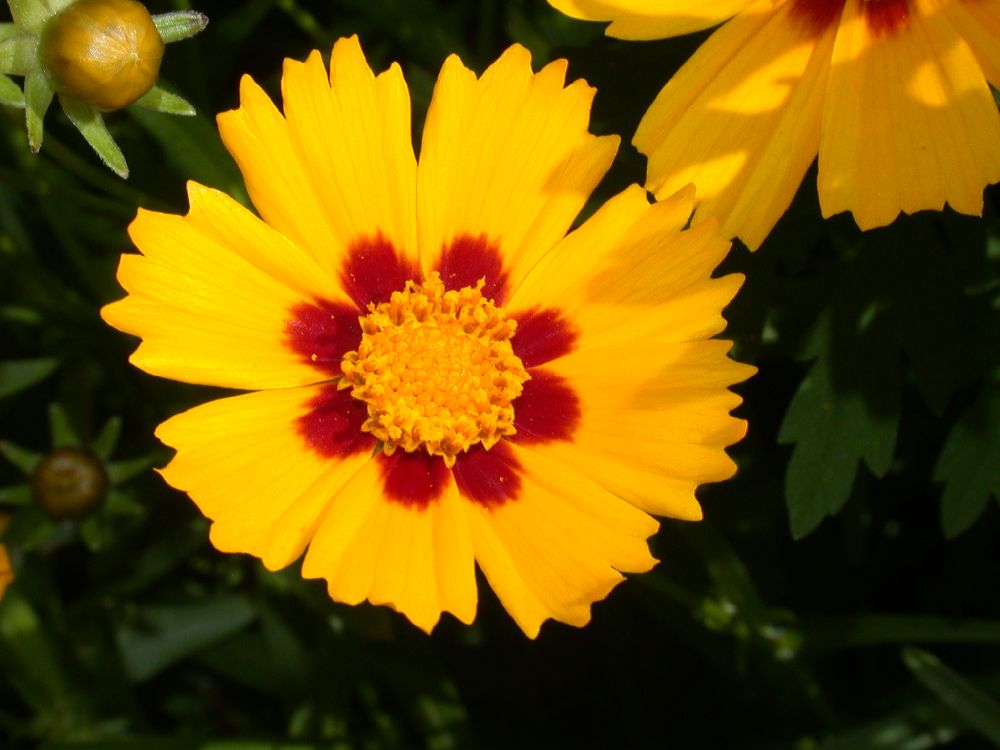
x: 8, y: 30
x: 31, y: 15
x: 61, y: 431
x: 179, y: 25
x: 18, y: 55
x: 90, y: 123
x: 10, y: 93
x: 37, y: 97
x: 22, y: 458
x: 15, y: 495
x: 163, y: 101
x: 107, y: 439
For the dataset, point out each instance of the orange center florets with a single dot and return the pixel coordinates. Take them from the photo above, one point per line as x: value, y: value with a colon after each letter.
x: 436, y: 369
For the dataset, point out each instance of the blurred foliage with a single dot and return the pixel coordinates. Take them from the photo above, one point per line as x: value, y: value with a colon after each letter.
x: 861, y: 530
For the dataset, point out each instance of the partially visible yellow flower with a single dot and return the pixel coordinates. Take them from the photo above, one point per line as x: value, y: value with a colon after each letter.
x: 440, y: 374
x: 892, y: 94
x: 6, y: 571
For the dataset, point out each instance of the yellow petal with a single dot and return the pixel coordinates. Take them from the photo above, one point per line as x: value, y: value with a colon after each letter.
x: 419, y: 561
x: 559, y: 546
x: 257, y: 137
x: 245, y: 464
x: 978, y: 22
x: 351, y: 132
x: 6, y: 571
x: 909, y: 122
x: 630, y: 273
x: 508, y: 156
x: 740, y: 120
x: 660, y: 412
x: 652, y: 19
x: 210, y: 296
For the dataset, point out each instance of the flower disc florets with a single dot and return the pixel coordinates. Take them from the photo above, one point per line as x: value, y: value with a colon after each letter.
x: 436, y: 369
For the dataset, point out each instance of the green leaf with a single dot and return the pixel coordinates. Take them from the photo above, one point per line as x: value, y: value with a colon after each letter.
x: 969, y: 463
x: 129, y: 743
x: 921, y: 727
x: 89, y: 121
x: 968, y: 702
x: 158, y: 636
x: 256, y: 745
x: 18, y: 374
x: 868, y: 629
x: 837, y: 420
x: 29, y: 655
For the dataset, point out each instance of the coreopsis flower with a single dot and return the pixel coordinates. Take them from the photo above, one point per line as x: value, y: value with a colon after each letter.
x: 97, y: 56
x: 892, y: 94
x: 6, y: 571
x: 440, y: 375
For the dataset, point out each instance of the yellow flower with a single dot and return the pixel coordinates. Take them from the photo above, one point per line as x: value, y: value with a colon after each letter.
x: 6, y: 571
x: 892, y: 94
x: 441, y: 375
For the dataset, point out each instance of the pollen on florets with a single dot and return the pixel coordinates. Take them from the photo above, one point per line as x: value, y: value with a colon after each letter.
x: 436, y: 369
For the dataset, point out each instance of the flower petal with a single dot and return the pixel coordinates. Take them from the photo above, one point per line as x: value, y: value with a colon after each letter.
x: 246, y: 465
x: 6, y: 571
x: 652, y: 19
x: 324, y: 198
x: 909, y: 122
x: 367, y: 184
x: 211, y: 296
x: 559, y: 546
x: 416, y: 559
x: 629, y: 273
x: 978, y: 23
x: 507, y: 156
x: 741, y: 119
x: 654, y: 420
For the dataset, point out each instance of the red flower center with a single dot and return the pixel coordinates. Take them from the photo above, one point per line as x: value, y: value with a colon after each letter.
x: 883, y: 16
x: 415, y: 467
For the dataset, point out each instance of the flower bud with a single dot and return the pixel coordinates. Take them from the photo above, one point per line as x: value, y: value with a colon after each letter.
x: 69, y: 483
x: 103, y: 52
